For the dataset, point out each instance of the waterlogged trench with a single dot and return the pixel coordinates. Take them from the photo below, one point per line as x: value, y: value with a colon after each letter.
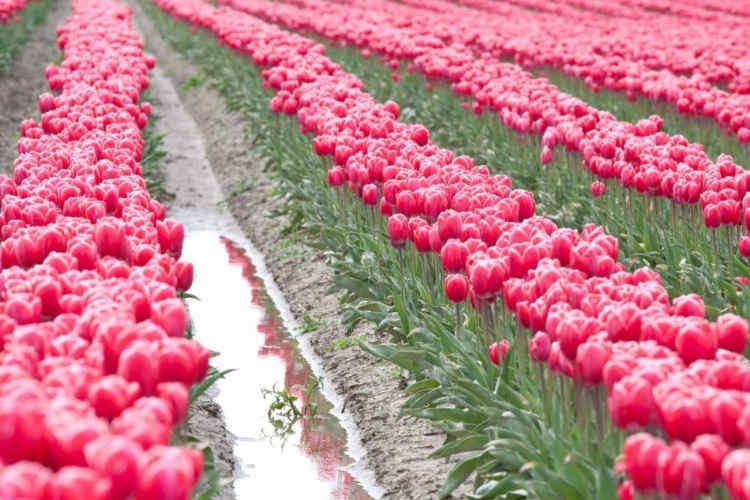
x: 242, y: 315
x: 236, y: 317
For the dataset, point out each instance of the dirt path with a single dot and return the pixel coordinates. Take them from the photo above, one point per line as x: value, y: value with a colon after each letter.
x: 21, y: 85
x: 395, y: 451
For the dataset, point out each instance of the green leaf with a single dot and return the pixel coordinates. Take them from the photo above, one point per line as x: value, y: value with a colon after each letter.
x: 463, y: 445
x: 449, y: 414
x: 422, y: 385
x: 460, y: 472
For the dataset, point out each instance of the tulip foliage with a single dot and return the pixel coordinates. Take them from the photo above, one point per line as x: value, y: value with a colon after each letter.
x: 532, y: 345
x: 95, y: 369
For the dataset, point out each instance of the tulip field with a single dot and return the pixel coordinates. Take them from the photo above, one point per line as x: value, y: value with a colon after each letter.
x: 540, y: 208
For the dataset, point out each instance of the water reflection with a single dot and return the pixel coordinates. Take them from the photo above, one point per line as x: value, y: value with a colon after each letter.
x: 235, y: 317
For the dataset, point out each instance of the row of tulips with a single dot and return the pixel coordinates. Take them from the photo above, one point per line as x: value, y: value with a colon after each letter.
x: 9, y: 9
x: 635, y: 56
x: 95, y: 372
x: 594, y: 323
x: 709, y: 6
x: 631, y: 9
x: 640, y: 157
x: 628, y: 56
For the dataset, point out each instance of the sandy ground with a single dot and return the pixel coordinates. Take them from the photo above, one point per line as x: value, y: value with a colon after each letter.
x: 396, y: 451
x: 21, y: 85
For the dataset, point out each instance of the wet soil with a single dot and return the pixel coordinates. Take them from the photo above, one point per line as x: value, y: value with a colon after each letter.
x: 24, y: 81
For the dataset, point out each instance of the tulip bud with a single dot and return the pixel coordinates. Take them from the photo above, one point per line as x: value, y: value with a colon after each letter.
x: 336, y: 176
x: 498, y: 351
x: 115, y: 458
x: 184, y: 272
x: 370, y: 195
x: 680, y: 472
x: 171, y: 234
x: 546, y: 156
x: 24, y: 480
x: 453, y: 256
x: 178, y: 397
x: 712, y: 450
x: 398, y: 230
x: 74, y: 483
x: 598, y: 189
x: 641, y: 460
x: 689, y: 305
x: 744, y: 245
x: 456, y: 288
x: 697, y: 340
x: 590, y: 360
x: 168, y: 473
x: 171, y: 315
x: 539, y: 347
x: 110, y: 395
x: 733, y: 332
x: 140, y: 363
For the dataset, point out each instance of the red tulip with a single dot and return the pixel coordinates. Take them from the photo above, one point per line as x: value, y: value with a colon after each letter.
x: 456, y: 288
x: 184, y: 274
x: 398, y: 230
x: 449, y: 225
x: 171, y: 234
x: 733, y: 332
x: 689, y: 305
x: 631, y: 403
x: 712, y: 450
x: 453, y: 256
x: 115, y: 458
x: 24, y: 480
x: 598, y: 189
x: 68, y: 435
x: 168, y: 473
x: 110, y: 395
x: 183, y: 361
x: 370, y: 195
x: 641, y: 460
x: 590, y: 360
x: 697, y: 340
x: 171, y: 315
x: 744, y: 244
x: 539, y: 347
x: 336, y: 176
x: 626, y: 491
x: 681, y: 472
x: 140, y: 362
x: 498, y: 351
x: 79, y: 483
x: 683, y: 418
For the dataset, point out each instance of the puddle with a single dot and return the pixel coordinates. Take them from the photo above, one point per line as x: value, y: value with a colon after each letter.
x: 236, y: 317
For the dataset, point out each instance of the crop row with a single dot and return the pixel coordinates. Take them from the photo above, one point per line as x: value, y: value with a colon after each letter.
x: 95, y: 372
x: 9, y: 8
x: 638, y: 156
x: 599, y: 329
x: 634, y: 56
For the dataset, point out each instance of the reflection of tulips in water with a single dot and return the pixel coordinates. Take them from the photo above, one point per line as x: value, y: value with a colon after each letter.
x: 321, y: 437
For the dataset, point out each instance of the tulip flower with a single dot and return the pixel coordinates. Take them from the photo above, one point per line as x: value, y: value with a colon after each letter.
x: 498, y: 351
x: 115, y: 458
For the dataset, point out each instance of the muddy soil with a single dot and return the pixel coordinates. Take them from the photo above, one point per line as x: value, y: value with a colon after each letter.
x: 24, y: 81
x: 372, y: 389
